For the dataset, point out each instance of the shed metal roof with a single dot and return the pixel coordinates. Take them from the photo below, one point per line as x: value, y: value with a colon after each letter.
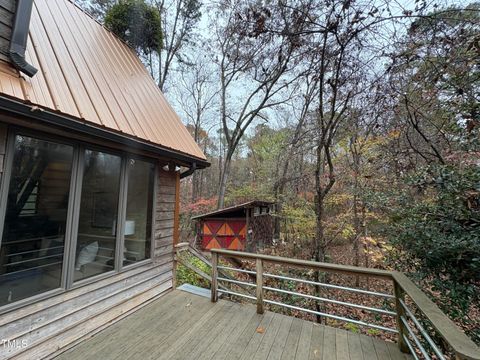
x: 234, y: 208
x: 89, y: 74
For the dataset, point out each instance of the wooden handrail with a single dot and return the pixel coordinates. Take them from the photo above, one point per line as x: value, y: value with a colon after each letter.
x: 186, y: 247
x: 334, y: 268
x: 182, y: 245
x: 463, y: 347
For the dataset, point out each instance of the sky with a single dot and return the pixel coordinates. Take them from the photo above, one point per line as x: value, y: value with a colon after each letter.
x: 205, y: 28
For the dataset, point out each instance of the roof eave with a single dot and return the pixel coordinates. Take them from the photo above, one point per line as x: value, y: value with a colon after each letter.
x: 33, y: 112
x: 233, y: 208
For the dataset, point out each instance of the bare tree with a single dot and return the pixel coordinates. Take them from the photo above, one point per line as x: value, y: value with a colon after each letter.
x: 256, y: 63
x: 196, y: 96
x: 307, y: 99
x: 364, y: 119
x: 337, y: 38
x: 179, y: 18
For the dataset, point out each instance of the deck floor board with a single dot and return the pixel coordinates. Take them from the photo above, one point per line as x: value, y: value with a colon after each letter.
x: 182, y: 325
x: 280, y: 340
x: 354, y: 346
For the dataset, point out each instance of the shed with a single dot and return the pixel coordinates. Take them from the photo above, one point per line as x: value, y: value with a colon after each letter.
x: 246, y: 226
x: 90, y: 152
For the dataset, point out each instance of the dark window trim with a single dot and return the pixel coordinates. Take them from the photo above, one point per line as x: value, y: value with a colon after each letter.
x: 6, y: 176
x: 31, y: 300
x: 70, y: 225
x: 156, y: 175
x: 121, y: 214
x: 12, y: 133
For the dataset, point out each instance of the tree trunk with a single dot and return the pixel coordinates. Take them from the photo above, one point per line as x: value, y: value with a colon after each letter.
x: 223, y: 180
x: 356, y: 217
x: 278, y: 190
x: 194, y: 186
x: 319, y: 243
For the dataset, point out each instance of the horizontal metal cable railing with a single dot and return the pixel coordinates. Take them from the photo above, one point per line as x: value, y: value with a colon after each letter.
x: 412, y: 335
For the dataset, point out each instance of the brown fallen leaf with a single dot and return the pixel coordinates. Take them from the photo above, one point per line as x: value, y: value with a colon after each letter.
x: 260, y: 330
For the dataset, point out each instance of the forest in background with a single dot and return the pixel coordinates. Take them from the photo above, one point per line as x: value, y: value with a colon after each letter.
x: 360, y: 119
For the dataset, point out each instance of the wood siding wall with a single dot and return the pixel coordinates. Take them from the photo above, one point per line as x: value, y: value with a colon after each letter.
x: 165, y: 218
x: 51, y: 326
x: 7, y: 10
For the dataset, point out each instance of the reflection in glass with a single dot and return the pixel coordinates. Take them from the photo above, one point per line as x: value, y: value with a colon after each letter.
x: 32, y: 247
x: 95, y: 252
x: 138, y: 224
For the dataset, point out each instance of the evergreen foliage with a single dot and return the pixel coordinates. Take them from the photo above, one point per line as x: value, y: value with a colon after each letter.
x: 138, y: 24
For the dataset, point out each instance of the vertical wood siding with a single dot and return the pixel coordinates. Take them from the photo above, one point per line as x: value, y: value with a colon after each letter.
x: 51, y: 326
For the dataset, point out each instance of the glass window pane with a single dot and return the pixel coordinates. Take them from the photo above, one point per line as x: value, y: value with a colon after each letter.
x: 31, y: 253
x: 95, y: 252
x: 138, y: 224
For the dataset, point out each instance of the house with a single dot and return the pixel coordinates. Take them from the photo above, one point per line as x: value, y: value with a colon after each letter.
x: 246, y: 226
x: 89, y: 209
x: 89, y: 158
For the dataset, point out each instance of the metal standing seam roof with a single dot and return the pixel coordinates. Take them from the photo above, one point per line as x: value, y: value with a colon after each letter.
x: 234, y: 208
x: 88, y: 73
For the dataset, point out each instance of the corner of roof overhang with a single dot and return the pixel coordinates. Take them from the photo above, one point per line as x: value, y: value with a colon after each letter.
x: 189, y: 171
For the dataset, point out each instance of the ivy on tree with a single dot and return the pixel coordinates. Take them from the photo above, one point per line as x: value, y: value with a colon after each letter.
x: 137, y: 23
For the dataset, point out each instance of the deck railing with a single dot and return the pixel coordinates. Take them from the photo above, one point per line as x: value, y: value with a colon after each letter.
x: 412, y: 335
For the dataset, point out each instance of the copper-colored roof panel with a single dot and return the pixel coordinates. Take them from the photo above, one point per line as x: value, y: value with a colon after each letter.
x: 69, y: 74
x: 50, y: 68
x: 88, y: 73
x: 83, y: 67
x: 123, y: 86
x: 40, y: 93
x: 107, y: 77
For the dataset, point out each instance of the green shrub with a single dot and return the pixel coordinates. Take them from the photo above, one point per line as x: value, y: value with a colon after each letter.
x: 137, y: 23
x: 187, y: 276
x: 437, y: 227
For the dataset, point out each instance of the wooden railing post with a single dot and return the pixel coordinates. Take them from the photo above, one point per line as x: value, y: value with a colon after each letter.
x: 259, y: 268
x: 400, y: 294
x: 214, y: 296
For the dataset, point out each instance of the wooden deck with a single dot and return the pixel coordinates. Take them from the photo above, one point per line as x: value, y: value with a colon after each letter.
x: 182, y: 325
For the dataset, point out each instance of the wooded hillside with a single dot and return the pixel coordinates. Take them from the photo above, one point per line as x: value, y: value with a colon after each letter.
x: 360, y: 120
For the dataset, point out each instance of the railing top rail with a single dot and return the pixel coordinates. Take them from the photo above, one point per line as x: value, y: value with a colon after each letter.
x: 182, y: 245
x: 460, y: 343
x: 335, y: 268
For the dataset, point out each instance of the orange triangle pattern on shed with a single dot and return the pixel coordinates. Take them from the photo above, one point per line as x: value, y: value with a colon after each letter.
x: 227, y: 234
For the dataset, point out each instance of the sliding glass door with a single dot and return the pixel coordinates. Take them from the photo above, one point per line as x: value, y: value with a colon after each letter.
x: 70, y: 214
x: 97, y: 225
x: 138, y: 223
x: 32, y: 246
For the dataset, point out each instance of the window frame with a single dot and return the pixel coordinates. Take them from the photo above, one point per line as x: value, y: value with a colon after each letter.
x: 73, y: 209
x: 71, y: 283
x: 152, y: 214
x: 12, y: 133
